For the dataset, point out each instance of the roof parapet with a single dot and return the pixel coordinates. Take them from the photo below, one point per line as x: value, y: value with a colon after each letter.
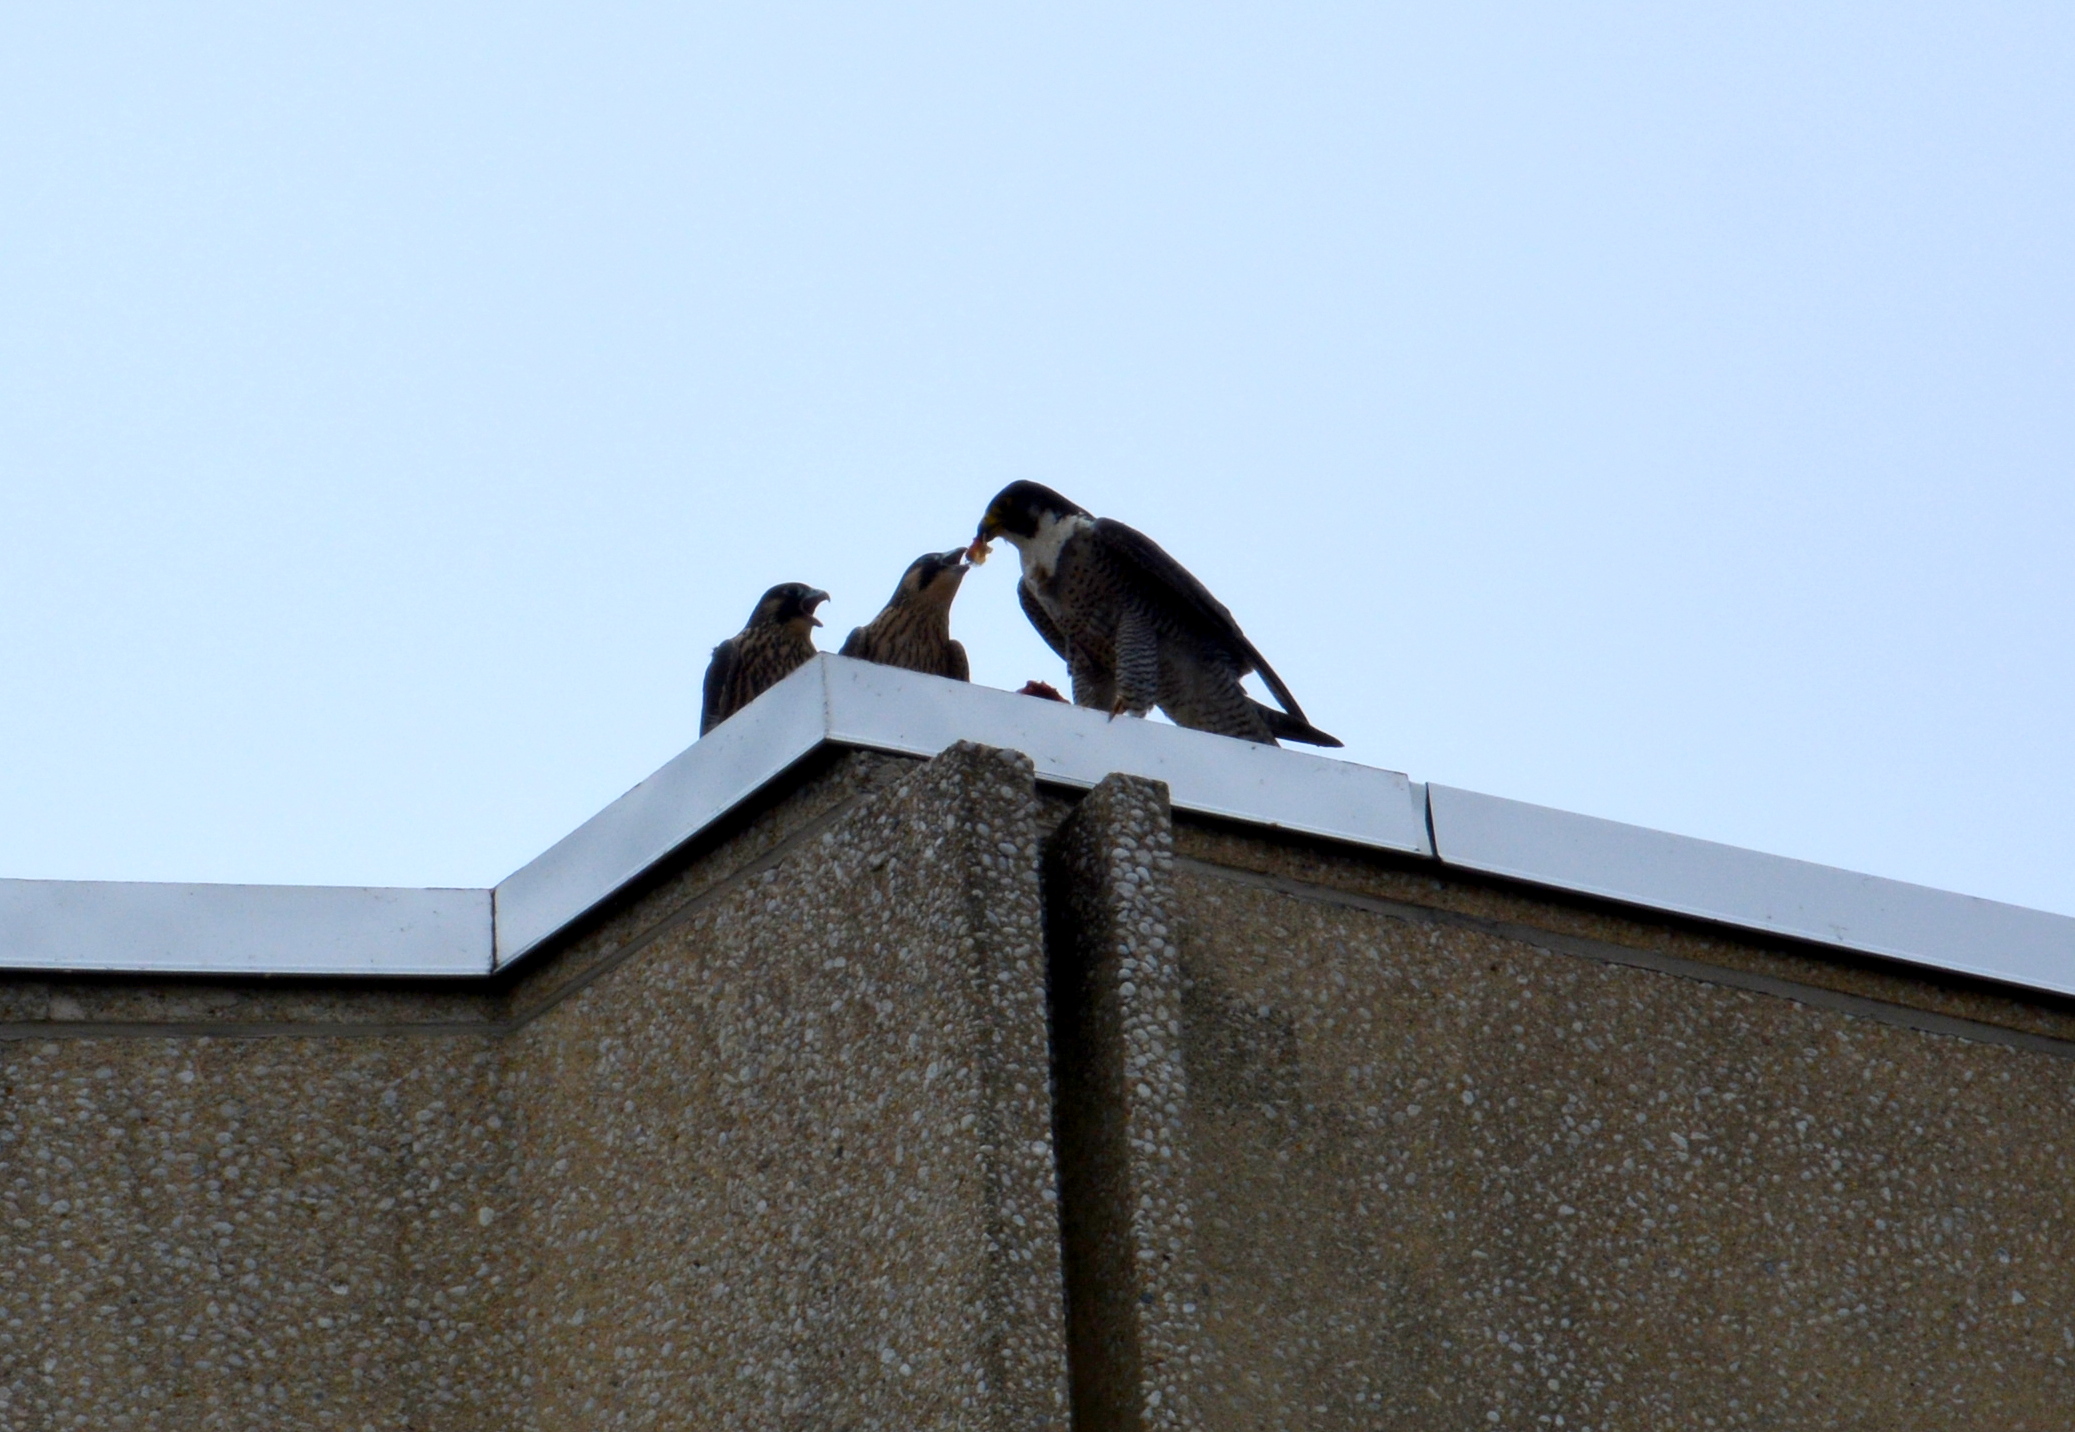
x: 61, y: 925
x: 132, y: 926
x: 1729, y: 885
x: 842, y: 702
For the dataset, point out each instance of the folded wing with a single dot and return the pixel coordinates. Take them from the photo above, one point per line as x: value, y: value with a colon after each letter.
x: 1160, y: 581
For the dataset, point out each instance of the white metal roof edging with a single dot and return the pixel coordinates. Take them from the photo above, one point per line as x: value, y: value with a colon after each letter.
x: 691, y: 791
x: 1770, y: 893
x: 882, y: 708
x: 138, y: 927
x: 854, y: 703
x: 121, y: 927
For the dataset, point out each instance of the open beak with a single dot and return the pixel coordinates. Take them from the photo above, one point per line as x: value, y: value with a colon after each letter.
x: 814, y: 599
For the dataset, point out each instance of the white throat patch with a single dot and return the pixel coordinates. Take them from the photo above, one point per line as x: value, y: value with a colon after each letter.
x: 1041, y: 552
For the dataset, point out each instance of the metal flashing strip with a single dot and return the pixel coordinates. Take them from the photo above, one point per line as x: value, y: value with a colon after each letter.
x: 139, y: 928
x: 1769, y: 893
x: 693, y: 789
x: 838, y: 701
x: 881, y: 708
x: 1900, y: 1016
x: 314, y: 930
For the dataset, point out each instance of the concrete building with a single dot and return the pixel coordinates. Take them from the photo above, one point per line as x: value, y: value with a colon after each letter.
x: 908, y: 1055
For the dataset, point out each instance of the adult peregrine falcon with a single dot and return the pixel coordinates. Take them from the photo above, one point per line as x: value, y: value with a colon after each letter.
x: 1134, y: 628
x: 914, y: 631
x: 778, y: 638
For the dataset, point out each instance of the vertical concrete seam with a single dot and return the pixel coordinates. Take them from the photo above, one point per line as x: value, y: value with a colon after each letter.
x: 1137, y: 1321
x: 991, y: 804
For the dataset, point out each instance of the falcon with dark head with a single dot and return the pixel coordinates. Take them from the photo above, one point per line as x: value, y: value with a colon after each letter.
x: 914, y: 631
x: 1134, y: 628
x: 778, y: 639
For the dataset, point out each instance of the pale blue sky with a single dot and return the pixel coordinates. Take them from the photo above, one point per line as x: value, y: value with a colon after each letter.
x: 1661, y: 412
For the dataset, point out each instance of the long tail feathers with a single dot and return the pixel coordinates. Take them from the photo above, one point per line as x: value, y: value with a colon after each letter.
x: 1285, y: 727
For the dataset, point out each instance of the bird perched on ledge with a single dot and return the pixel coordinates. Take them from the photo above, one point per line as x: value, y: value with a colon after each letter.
x: 778, y: 639
x: 914, y: 629
x: 1135, y: 629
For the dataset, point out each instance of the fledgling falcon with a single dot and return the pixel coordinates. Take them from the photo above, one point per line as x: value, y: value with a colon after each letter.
x: 1134, y: 628
x: 914, y: 630
x: 778, y: 639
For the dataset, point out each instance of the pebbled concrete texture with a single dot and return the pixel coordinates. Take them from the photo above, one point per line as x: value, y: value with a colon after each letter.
x: 793, y: 1166
x: 1133, y: 1277
x: 206, y: 1233
x: 769, y: 1141
x: 767, y: 1144
x: 1444, y: 1178
x: 1426, y: 886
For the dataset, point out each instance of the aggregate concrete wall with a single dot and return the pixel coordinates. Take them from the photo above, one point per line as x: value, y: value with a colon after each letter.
x: 1343, y: 1141
x: 791, y: 1166
x: 1443, y: 1170
x: 1122, y: 1096
x: 208, y: 1232
x: 766, y: 1144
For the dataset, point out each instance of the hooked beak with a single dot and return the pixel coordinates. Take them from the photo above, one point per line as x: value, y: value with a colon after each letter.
x: 814, y: 599
x: 990, y: 528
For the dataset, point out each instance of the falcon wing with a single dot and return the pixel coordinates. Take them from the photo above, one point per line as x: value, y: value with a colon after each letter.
x: 854, y: 644
x: 720, y: 673
x: 1161, y: 579
x: 958, y: 668
x: 1092, y: 685
x: 1043, y: 623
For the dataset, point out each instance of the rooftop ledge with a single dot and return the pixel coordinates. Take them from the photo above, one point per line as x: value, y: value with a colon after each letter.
x: 114, y: 926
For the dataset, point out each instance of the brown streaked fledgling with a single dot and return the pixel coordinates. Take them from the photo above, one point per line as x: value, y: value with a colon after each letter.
x: 914, y: 630
x: 1135, y: 628
x: 778, y: 639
